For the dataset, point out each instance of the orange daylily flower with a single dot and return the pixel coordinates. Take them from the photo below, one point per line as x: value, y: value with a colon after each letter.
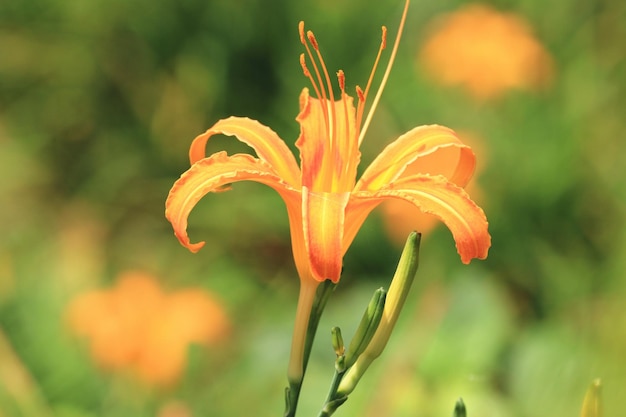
x: 326, y: 205
x: 136, y: 326
x: 487, y: 52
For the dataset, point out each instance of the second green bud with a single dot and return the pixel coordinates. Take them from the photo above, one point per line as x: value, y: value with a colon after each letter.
x: 367, y: 327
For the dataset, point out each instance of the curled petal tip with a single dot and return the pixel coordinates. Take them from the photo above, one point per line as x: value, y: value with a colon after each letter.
x: 467, y: 254
x: 195, y: 247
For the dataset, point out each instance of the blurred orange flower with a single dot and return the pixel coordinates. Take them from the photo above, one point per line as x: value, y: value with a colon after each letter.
x: 485, y: 51
x: 136, y: 326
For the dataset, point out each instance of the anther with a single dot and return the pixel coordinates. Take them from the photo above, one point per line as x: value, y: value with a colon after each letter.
x: 301, y: 30
x: 360, y: 94
x: 384, y: 38
x: 304, y: 67
x: 312, y: 39
x: 342, y: 80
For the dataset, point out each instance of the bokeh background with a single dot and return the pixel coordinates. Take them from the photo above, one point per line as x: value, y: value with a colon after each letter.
x: 103, y: 313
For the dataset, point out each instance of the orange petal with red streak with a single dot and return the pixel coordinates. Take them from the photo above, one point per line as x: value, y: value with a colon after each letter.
x: 329, y: 151
x: 446, y: 201
x: 268, y: 146
x: 323, y: 217
x: 213, y: 174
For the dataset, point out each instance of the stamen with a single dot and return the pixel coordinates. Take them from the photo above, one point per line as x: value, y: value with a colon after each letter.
x: 323, y: 64
x: 361, y: 104
x: 319, y: 90
x: 332, y: 131
x: 317, y: 74
x: 328, y: 107
x: 341, y: 77
x: 307, y: 74
x: 346, y: 142
x: 392, y: 57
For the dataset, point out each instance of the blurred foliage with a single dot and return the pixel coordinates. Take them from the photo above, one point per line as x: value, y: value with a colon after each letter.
x: 99, y: 102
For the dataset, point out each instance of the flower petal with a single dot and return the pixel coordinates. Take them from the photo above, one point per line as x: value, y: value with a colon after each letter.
x: 323, y: 217
x: 268, y: 146
x: 433, y: 149
x: 214, y: 174
x: 329, y: 150
x: 441, y: 198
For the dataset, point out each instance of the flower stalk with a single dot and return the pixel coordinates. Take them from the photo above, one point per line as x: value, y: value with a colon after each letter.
x: 311, y: 305
x: 373, y: 331
x: 398, y: 291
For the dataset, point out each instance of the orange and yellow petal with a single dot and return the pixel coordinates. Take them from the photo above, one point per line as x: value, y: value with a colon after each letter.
x: 213, y: 174
x: 323, y: 224
x: 328, y: 145
x: 437, y: 196
x: 401, y: 217
x: 433, y: 149
x: 268, y: 146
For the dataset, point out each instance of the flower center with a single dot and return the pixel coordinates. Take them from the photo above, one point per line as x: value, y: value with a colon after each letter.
x: 323, y: 87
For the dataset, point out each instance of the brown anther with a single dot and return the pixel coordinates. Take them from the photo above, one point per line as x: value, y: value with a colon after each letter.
x: 301, y: 31
x: 384, y: 38
x: 342, y: 80
x: 304, y: 67
x: 312, y: 39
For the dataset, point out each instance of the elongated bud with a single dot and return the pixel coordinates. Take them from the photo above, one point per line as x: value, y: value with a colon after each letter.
x: 398, y: 291
x: 367, y: 328
x: 592, y: 406
x: 459, y: 409
x: 337, y: 340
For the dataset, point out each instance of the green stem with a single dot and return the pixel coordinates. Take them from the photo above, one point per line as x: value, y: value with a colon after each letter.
x: 292, y: 393
x: 322, y: 295
x: 333, y: 401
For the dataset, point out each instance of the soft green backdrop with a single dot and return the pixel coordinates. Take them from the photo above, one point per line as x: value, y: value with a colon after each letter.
x: 99, y: 101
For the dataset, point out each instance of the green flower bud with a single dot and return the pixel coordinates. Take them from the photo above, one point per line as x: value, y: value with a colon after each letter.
x: 367, y: 328
x: 337, y: 341
x: 459, y: 409
x: 592, y: 406
x: 398, y: 291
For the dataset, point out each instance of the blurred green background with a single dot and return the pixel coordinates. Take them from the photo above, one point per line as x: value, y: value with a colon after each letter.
x: 99, y: 102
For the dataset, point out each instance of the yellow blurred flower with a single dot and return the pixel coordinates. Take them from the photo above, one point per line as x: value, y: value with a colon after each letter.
x: 486, y: 52
x: 137, y: 327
